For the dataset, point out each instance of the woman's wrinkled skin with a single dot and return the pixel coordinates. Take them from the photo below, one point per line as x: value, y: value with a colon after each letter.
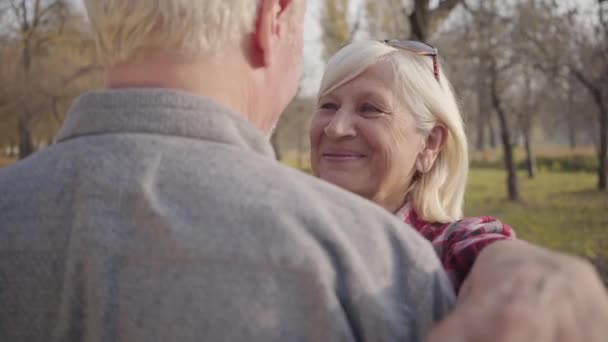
x: 364, y: 139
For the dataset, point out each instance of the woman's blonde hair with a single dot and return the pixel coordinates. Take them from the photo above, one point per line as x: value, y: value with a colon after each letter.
x: 188, y: 28
x: 437, y: 195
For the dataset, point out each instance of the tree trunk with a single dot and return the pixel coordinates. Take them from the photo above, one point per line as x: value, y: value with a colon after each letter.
x: 493, y: 142
x: 482, y: 108
x: 419, y: 20
x: 512, y: 186
x: 26, y: 145
x: 530, y: 108
x: 571, y: 119
x: 480, y: 142
x: 424, y: 21
x: 530, y: 157
x: 597, y: 95
x: 603, y: 150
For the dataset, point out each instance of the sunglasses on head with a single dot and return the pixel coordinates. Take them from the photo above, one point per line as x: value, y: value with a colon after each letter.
x: 418, y: 48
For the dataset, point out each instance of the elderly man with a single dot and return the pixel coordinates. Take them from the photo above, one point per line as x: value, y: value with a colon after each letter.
x: 161, y: 215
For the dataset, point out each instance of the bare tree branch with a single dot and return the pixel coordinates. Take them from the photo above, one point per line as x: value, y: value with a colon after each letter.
x: 439, y: 14
x: 593, y: 89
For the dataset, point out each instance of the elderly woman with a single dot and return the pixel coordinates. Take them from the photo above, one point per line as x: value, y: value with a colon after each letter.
x: 388, y: 128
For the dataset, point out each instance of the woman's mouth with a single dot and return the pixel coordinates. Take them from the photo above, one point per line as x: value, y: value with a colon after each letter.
x: 342, y: 155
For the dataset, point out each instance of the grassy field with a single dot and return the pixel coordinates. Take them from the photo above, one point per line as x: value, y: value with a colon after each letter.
x: 544, y: 151
x: 558, y: 210
x: 562, y: 211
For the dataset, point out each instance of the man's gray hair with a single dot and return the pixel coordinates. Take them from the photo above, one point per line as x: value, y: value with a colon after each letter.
x: 188, y: 28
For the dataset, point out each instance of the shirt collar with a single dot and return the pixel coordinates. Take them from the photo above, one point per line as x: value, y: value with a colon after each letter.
x: 404, y: 212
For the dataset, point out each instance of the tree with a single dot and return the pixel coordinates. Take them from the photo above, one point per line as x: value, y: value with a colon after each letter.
x: 495, y: 72
x: 336, y: 28
x: 387, y: 19
x: 413, y: 19
x: 526, y: 112
x: 425, y: 21
x: 583, y: 56
x: 33, y: 21
x: 591, y: 70
x: 496, y: 65
x: 49, y: 58
x: 527, y: 104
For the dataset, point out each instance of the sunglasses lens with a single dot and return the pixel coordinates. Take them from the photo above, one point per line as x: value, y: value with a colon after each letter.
x: 416, y: 47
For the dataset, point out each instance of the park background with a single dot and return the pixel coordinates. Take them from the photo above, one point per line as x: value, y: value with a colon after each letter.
x: 531, y: 77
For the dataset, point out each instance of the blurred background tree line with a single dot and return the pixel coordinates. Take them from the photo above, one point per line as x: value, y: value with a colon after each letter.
x: 531, y: 76
x: 47, y: 57
x: 527, y: 72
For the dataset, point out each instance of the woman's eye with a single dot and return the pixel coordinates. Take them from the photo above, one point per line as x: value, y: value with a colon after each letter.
x: 370, y: 109
x: 329, y: 106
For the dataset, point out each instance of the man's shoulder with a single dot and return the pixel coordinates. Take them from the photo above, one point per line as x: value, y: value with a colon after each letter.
x: 301, y: 190
x: 200, y: 174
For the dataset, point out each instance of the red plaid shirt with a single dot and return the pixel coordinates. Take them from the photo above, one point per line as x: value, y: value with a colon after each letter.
x: 458, y: 243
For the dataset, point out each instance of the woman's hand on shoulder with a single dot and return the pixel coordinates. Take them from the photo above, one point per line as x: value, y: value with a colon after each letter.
x: 520, y: 292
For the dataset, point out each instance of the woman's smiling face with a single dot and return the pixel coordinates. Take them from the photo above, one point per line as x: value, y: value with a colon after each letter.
x: 364, y: 139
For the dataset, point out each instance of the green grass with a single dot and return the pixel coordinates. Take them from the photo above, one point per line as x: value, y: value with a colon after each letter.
x: 562, y: 211
x: 559, y: 210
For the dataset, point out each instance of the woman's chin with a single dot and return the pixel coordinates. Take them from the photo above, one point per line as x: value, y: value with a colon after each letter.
x: 346, y: 183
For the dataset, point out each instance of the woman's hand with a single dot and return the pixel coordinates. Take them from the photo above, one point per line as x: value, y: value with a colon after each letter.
x: 517, y: 292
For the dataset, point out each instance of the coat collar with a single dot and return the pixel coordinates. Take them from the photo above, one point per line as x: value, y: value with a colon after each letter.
x: 162, y: 112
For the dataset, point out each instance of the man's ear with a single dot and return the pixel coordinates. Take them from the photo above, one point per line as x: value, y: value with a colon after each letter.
x: 271, y: 26
x: 433, y: 144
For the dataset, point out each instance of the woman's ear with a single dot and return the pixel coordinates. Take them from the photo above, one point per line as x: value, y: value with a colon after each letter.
x: 432, y: 146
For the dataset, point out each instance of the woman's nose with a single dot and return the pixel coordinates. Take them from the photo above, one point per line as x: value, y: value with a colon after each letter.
x: 340, y: 126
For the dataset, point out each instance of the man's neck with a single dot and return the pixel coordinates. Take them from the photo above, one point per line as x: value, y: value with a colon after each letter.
x: 216, y: 78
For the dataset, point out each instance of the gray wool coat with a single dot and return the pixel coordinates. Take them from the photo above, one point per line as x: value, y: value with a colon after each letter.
x: 162, y: 216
